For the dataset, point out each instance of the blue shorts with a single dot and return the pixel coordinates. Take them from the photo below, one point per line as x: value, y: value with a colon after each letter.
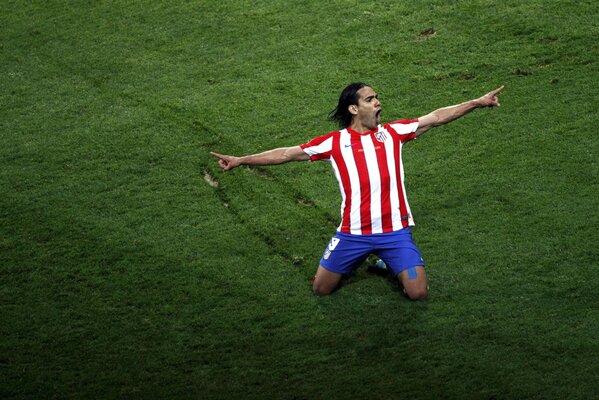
x: 345, y: 252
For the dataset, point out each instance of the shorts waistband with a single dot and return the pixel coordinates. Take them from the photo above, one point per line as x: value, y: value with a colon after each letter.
x: 404, y: 231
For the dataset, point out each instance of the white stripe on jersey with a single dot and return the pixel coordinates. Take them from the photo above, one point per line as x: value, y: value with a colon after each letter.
x: 404, y: 129
x: 324, y: 147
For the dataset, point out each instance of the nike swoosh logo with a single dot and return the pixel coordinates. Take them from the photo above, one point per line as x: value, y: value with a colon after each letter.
x: 347, y: 145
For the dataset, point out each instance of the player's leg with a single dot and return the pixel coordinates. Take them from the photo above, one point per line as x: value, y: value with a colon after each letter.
x: 414, y: 282
x: 342, y: 256
x: 325, y: 282
x: 403, y: 259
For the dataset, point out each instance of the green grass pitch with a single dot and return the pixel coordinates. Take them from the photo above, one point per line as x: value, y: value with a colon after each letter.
x: 132, y: 267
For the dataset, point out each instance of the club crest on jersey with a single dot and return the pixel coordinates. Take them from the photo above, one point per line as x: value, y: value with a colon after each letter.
x: 380, y: 136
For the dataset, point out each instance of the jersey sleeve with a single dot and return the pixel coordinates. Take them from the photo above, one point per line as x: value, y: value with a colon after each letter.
x: 319, y: 148
x: 404, y: 128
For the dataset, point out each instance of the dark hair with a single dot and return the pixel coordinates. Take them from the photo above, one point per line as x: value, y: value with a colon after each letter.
x: 348, y: 96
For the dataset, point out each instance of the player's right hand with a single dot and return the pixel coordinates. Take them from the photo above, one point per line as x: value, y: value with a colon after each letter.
x: 226, y: 162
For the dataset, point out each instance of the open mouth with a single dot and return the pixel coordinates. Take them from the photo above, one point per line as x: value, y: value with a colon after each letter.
x: 378, y: 115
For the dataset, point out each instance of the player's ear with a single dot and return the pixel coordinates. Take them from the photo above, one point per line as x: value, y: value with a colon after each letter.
x: 353, y: 109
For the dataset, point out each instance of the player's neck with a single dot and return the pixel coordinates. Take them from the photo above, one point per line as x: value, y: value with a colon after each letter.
x: 356, y: 126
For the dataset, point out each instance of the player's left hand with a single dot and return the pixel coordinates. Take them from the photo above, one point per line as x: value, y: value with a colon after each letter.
x: 490, y: 99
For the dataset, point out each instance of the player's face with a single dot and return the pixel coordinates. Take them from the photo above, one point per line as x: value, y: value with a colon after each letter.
x: 369, y: 108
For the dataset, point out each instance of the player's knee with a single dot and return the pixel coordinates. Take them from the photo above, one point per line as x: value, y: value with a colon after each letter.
x: 325, y: 282
x: 321, y: 290
x: 417, y: 293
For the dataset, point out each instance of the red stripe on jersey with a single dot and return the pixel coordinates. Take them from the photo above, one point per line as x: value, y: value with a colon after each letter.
x: 403, y: 210
x: 360, y: 159
x: 345, y: 226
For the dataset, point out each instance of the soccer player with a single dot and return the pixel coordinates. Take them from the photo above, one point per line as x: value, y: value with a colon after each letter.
x: 366, y: 158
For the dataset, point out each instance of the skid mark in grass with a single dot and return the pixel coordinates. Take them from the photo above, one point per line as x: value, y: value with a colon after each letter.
x: 425, y: 34
x: 304, y: 201
x: 297, y: 261
x: 210, y: 179
x: 521, y: 72
x: 268, y: 239
x: 237, y: 215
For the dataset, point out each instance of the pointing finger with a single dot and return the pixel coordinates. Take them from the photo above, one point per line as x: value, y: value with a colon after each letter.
x: 497, y: 91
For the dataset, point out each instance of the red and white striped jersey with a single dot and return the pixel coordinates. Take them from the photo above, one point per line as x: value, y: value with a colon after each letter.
x: 370, y: 173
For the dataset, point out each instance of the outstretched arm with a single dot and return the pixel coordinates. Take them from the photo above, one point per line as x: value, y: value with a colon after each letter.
x: 270, y: 157
x: 447, y: 114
